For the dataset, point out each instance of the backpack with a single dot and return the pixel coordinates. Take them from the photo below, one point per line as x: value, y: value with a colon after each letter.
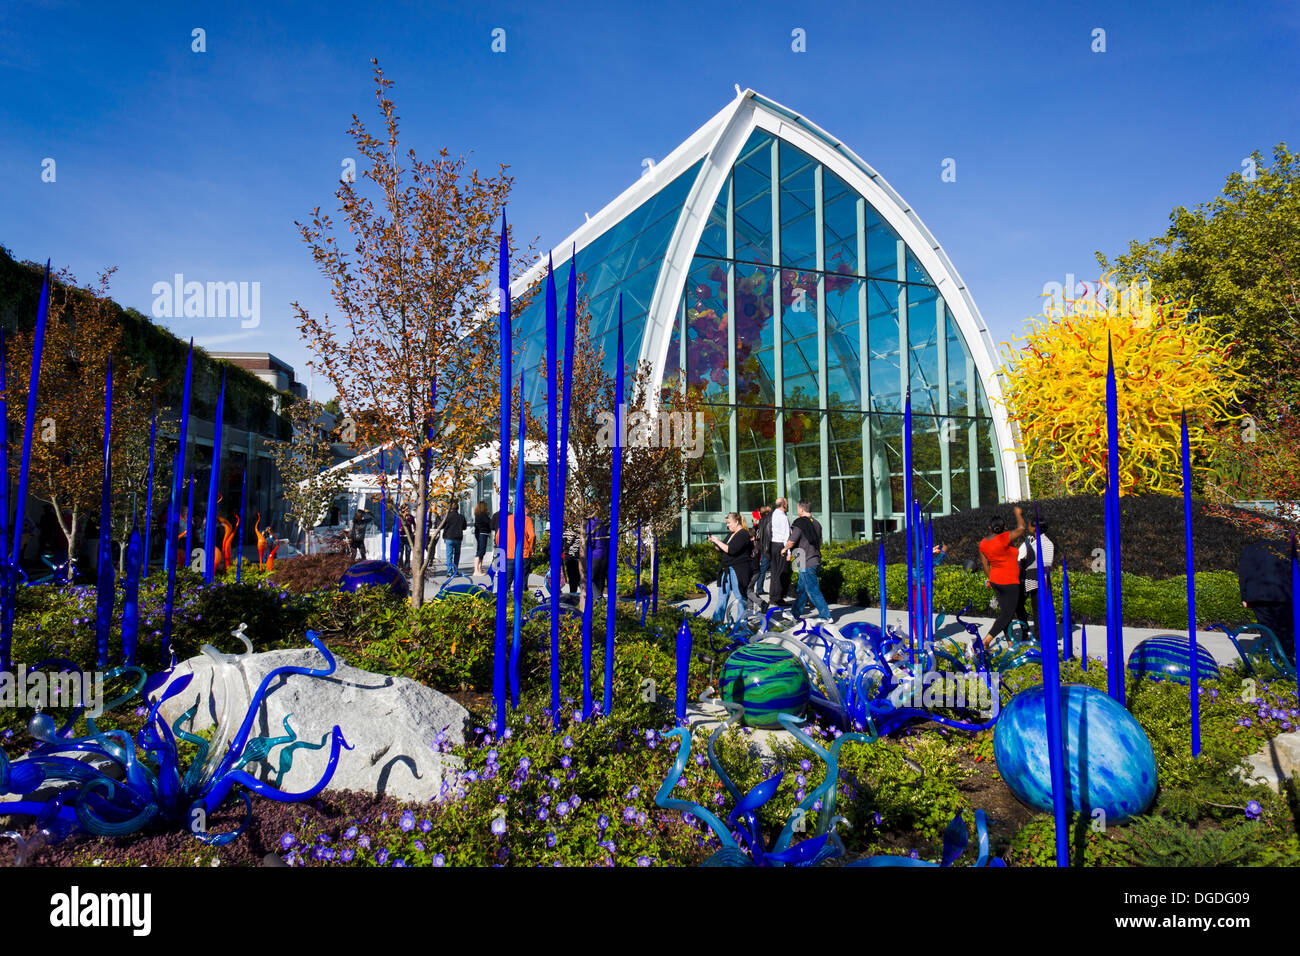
x: 764, y: 537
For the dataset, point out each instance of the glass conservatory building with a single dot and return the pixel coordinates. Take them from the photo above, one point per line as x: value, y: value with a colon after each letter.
x: 766, y: 264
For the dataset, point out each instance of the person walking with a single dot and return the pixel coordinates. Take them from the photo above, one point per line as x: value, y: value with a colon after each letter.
x: 763, y: 538
x: 597, y: 533
x: 778, y: 535
x: 453, y: 532
x: 482, y: 535
x: 1264, y: 581
x: 572, y: 545
x: 357, y: 533
x: 406, y: 532
x: 1001, y: 560
x: 734, y: 576
x: 805, y: 543
x: 530, y: 536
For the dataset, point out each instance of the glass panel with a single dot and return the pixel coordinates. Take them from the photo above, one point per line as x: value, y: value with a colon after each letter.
x: 799, y: 331
x: 803, y: 458
x: 882, y: 343
x: 915, y: 273
x: 957, y: 356
x: 840, y: 220
x: 706, y: 493
x: 988, y: 463
x: 798, y: 218
x: 882, y: 246
x: 845, y: 464
x: 706, y: 328
x: 923, y: 333
x: 753, y: 179
x: 843, y: 363
x: 755, y: 336
x: 959, y: 461
x: 714, y: 240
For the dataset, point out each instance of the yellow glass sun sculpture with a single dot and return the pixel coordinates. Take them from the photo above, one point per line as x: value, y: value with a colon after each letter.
x: 1167, y: 358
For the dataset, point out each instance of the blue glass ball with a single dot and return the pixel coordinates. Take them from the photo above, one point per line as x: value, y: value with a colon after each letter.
x: 1168, y: 657
x: 375, y: 574
x: 1109, y: 763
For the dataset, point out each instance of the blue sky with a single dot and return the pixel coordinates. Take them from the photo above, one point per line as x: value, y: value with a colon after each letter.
x: 169, y: 161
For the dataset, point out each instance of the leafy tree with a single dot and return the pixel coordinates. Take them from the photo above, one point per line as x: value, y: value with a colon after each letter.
x: 82, y: 331
x: 304, y: 462
x: 412, y: 282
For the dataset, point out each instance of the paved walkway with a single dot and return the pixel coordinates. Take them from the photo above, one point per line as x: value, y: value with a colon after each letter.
x: 1216, y: 642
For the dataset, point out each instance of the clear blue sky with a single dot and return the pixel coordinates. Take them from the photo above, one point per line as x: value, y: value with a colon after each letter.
x: 172, y: 161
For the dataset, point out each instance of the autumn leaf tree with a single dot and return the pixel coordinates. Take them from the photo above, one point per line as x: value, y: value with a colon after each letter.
x: 412, y: 282
x: 82, y: 331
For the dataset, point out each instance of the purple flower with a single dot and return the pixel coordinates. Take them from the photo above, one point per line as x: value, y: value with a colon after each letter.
x: 350, y: 833
x: 288, y: 840
x: 425, y: 826
x: 364, y: 842
x: 439, y: 860
x: 577, y: 716
x: 1243, y: 722
x: 568, y: 741
x: 602, y: 822
x: 408, y: 821
x: 914, y: 855
x: 399, y: 863
x: 804, y: 765
x: 640, y: 819
x: 575, y: 801
x: 418, y: 846
x: 381, y: 856
x: 634, y: 793
x: 1253, y: 810
x: 550, y: 840
x: 565, y: 761
x: 562, y: 808
x: 347, y: 855
x: 877, y: 819
x: 629, y: 814
x: 499, y: 825
x: 644, y: 860
x: 542, y: 813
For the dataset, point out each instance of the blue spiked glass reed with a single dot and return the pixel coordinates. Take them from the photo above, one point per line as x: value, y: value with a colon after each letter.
x: 683, y: 669
x: 383, y: 507
x: 8, y: 574
x: 499, y: 650
x: 210, y: 542
x: 555, y: 505
x: 1114, y: 597
x: 14, y: 564
x: 169, y: 547
x: 616, y: 487
x: 586, y: 639
x: 1195, y: 689
x: 654, y: 575
x: 520, y: 507
x: 907, y: 527
x: 1295, y: 604
x: 1052, y: 705
x: 104, y: 569
x: 131, y: 597
x: 148, y: 501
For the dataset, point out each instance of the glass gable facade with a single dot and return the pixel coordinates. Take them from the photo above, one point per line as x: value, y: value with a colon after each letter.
x: 804, y: 319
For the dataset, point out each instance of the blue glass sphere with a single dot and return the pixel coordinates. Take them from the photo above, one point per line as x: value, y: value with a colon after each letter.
x: 1109, y: 763
x: 1169, y: 657
x: 375, y: 574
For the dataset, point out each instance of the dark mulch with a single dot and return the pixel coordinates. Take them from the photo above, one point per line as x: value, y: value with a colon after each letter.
x: 333, y: 812
x: 1151, y: 534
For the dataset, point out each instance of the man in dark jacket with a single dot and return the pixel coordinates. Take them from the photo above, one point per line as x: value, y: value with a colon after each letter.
x: 805, y: 547
x: 453, y: 532
x: 357, y: 533
x: 1264, y: 579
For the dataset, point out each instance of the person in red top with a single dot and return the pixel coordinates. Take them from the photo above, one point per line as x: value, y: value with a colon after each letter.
x: 1001, y: 559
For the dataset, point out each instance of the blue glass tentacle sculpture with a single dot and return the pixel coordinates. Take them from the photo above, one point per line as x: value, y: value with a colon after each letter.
x: 822, y: 844
x: 955, y: 841
x: 148, y: 788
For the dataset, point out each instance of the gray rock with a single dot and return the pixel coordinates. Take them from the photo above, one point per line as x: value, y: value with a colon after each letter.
x: 1276, y: 761
x: 391, y: 722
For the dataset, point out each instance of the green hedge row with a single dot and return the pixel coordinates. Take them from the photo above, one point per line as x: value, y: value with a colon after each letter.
x: 1147, y: 603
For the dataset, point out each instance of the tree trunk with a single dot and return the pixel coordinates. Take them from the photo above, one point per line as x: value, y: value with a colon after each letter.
x: 418, y: 560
